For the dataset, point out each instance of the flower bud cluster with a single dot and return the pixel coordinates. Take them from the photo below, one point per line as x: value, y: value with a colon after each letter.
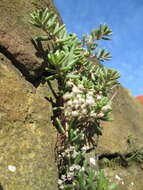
x: 70, y: 174
x: 81, y: 104
x: 68, y: 177
x: 70, y: 152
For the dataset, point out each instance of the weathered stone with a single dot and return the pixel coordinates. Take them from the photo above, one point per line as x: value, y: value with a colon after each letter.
x: 126, y: 179
x: 16, y: 34
x: 127, y: 124
x: 27, y: 137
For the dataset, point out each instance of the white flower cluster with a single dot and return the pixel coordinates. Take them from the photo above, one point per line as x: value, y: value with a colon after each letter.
x: 69, y: 176
x: 92, y: 161
x: 70, y: 152
x: 74, y: 167
x: 64, y: 178
x: 80, y: 104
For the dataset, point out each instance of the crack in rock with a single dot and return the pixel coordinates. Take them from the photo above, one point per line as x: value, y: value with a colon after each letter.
x: 21, y: 56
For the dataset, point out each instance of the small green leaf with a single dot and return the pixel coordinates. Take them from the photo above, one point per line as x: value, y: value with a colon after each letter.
x: 59, y: 126
x: 42, y: 38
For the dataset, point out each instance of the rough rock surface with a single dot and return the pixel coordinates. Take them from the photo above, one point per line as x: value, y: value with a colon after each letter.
x: 127, y: 123
x: 27, y: 137
x: 121, y: 137
x: 127, y: 179
x: 16, y: 34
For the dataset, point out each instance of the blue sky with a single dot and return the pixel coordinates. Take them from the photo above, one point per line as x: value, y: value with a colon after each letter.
x: 125, y: 18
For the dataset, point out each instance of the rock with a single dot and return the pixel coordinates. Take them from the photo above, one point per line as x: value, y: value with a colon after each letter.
x: 27, y: 136
x: 123, y: 137
x: 16, y: 34
x: 127, y: 124
x: 129, y: 178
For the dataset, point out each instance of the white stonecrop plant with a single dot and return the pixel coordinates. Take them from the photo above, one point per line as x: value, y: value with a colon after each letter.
x: 82, y: 100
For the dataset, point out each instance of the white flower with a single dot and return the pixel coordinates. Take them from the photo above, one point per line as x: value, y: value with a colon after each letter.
x: 100, y: 115
x: 71, y: 169
x: 81, y: 100
x: 106, y: 108
x: 92, y: 161
x: 71, y: 148
x: 77, y: 167
x: 76, y: 90
x: 11, y: 168
x: 93, y: 115
x: 122, y: 182
x: 81, y: 87
x: 63, y: 154
x: 132, y: 183
x: 61, y: 187
x: 85, y: 148
x: 84, y: 111
x: 74, y: 166
x: 77, y: 106
x: 78, y: 96
x: 82, y: 136
x: 82, y: 169
x: 67, y: 96
x: 63, y: 177
x: 90, y: 101
x: 70, y: 175
x: 89, y: 96
x: 60, y: 181
x: 75, y: 102
x: 83, y: 106
x: 98, y: 97
x: 67, y: 150
x: 69, y: 103
x: 69, y: 83
x: 90, y: 93
x: 75, y: 114
x: 74, y: 154
x: 118, y: 177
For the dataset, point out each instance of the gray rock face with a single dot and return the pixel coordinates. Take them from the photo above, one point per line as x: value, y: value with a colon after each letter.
x: 27, y: 137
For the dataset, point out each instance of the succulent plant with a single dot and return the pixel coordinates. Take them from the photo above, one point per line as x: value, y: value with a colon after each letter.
x: 82, y: 100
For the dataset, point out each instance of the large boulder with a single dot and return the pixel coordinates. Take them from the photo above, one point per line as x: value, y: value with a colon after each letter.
x: 27, y: 136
